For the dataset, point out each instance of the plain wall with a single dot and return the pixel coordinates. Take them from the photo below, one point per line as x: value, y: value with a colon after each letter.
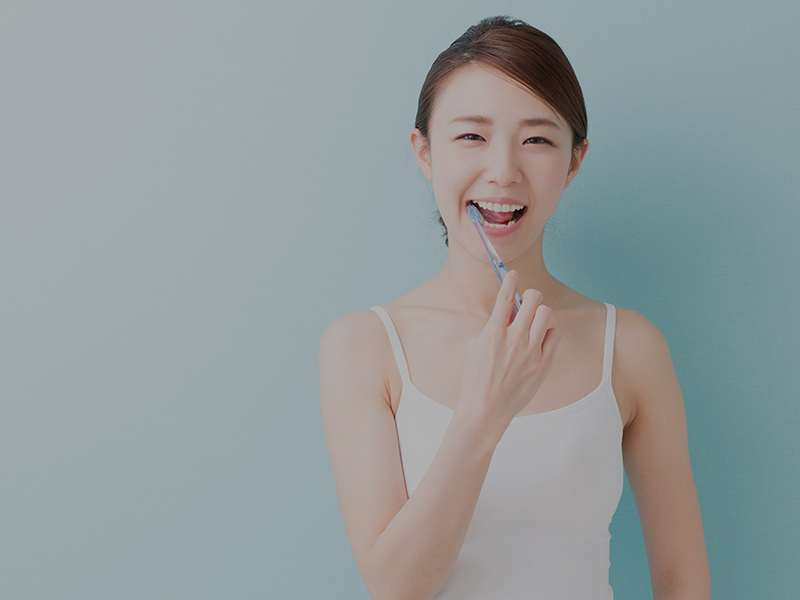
x: 192, y: 191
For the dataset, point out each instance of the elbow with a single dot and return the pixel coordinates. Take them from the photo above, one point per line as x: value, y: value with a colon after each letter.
x: 395, y: 595
x: 392, y: 589
x: 695, y: 586
x: 385, y: 582
x: 380, y: 591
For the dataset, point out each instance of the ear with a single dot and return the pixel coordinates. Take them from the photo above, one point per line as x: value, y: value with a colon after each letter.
x: 577, y: 158
x: 422, y: 151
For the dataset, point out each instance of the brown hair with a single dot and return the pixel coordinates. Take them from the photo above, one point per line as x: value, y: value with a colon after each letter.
x: 523, y: 53
x: 527, y: 55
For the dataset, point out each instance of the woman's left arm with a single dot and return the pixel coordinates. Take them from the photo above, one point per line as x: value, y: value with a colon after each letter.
x: 656, y: 454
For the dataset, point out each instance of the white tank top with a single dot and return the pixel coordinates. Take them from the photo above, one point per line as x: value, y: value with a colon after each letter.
x: 540, y: 527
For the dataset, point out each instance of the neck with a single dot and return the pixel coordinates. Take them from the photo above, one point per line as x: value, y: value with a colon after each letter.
x: 468, y: 283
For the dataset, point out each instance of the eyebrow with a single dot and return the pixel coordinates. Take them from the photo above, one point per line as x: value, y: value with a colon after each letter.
x: 481, y: 120
x: 539, y: 121
x: 477, y: 119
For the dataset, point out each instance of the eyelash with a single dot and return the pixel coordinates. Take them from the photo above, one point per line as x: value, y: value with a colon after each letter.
x: 470, y: 137
x: 474, y: 137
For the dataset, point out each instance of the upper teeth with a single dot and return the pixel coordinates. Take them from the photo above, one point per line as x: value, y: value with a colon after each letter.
x: 493, y: 206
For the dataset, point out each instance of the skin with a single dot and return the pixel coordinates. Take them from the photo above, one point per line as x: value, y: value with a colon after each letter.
x: 463, y: 352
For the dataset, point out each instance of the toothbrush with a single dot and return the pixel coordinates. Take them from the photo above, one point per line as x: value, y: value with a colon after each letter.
x: 497, y: 264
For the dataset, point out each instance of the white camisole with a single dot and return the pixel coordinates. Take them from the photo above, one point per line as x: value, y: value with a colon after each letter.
x: 540, y: 527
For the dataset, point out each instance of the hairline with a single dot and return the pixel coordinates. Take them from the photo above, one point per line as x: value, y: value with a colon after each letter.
x: 476, y: 62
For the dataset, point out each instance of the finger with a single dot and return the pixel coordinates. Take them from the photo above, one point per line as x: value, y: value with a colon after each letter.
x: 531, y: 299
x: 504, y: 304
x: 549, y: 344
x: 541, y: 323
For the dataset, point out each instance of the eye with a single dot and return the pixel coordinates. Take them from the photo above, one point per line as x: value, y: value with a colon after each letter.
x: 470, y: 137
x: 537, y: 140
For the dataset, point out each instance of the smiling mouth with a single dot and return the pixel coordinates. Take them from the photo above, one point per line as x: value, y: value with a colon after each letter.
x: 498, y: 216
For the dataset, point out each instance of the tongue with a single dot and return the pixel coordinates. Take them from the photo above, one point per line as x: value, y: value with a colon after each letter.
x: 497, y: 218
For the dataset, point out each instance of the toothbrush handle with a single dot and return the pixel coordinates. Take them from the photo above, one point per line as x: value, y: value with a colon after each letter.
x: 517, y: 303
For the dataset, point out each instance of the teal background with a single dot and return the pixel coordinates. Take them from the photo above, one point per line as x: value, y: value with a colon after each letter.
x: 193, y: 190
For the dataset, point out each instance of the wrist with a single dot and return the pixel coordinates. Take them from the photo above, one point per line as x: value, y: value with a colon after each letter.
x: 475, y: 432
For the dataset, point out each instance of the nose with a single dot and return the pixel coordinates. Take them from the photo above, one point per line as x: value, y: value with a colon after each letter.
x: 502, y: 165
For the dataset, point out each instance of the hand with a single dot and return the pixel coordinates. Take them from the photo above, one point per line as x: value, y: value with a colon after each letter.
x: 507, y: 362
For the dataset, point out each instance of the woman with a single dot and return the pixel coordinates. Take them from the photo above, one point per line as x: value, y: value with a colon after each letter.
x: 478, y: 453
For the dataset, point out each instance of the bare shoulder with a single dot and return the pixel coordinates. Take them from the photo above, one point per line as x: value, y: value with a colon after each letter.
x: 355, y: 350
x: 638, y: 337
x: 642, y: 363
x: 352, y: 331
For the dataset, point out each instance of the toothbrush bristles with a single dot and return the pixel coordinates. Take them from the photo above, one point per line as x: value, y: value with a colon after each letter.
x: 474, y: 214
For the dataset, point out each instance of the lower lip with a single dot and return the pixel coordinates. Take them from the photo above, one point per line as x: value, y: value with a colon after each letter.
x: 501, y: 231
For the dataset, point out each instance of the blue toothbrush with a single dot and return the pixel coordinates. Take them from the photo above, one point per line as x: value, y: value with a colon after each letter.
x: 497, y: 264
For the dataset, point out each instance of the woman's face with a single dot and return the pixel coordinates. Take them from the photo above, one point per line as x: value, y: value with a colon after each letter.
x: 493, y: 143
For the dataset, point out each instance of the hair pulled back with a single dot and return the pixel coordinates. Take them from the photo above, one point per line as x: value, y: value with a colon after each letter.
x: 523, y: 53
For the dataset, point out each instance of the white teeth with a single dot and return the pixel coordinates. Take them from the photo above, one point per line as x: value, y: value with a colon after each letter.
x: 499, y: 225
x: 495, y: 207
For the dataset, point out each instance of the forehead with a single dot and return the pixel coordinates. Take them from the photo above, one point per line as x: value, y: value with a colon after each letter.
x: 479, y: 90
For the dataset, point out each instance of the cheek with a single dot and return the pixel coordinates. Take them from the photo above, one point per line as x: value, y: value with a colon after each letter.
x: 449, y: 165
x: 451, y: 175
x: 552, y: 174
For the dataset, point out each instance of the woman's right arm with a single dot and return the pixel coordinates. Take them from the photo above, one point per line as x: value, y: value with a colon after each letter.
x: 405, y: 547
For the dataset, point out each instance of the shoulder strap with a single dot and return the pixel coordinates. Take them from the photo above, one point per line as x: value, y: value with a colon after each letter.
x: 608, y: 346
x: 394, y: 340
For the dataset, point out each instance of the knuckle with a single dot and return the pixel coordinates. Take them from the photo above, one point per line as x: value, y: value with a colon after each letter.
x: 515, y: 336
x: 550, y: 343
x: 533, y: 295
x: 494, y: 332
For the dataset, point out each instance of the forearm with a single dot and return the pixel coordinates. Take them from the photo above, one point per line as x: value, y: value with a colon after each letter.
x: 415, y: 553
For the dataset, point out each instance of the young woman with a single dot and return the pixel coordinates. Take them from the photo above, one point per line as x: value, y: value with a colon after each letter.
x: 478, y: 454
